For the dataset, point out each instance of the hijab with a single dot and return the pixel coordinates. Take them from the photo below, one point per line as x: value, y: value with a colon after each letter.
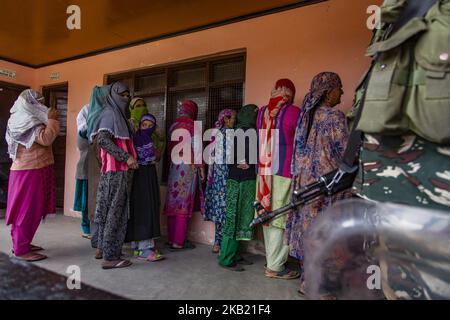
x: 246, y: 117
x: 28, y: 115
x: 226, y: 113
x: 112, y: 116
x: 82, y: 119
x: 321, y: 85
x: 143, y: 141
x: 137, y: 113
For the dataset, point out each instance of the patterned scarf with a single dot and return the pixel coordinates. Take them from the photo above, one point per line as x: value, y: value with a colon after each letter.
x: 143, y: 141
x: 282, y: 95
x: 219, y: 156
x: 321, y: 85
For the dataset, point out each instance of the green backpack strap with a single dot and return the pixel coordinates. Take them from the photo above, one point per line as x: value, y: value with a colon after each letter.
x: 411, y: 29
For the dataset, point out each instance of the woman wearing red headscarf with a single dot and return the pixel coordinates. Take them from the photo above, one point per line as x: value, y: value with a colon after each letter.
x: 276, y: 124
x: 184, y: 191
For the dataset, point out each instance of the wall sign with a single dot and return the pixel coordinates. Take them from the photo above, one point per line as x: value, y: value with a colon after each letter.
x: 8, y: 73
x: 54, y: 76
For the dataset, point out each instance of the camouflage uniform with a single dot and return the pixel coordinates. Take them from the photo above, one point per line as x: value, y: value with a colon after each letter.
x: 405, y: 169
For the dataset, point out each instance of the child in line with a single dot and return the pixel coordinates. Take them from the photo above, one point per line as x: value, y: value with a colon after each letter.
x: 144, y: 223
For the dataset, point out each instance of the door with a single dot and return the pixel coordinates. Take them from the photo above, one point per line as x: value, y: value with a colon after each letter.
x: 56, y: 96
x: 8, y: 95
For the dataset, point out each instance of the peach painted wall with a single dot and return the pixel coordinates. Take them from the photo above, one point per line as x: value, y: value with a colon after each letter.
x: 24, y: 75
x: 330, y: 36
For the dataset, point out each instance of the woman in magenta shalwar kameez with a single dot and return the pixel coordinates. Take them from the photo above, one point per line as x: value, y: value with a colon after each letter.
x: 32, y: 129
x: 184, y: 190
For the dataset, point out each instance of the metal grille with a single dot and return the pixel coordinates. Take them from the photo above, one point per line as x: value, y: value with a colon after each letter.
x: 61, y: 106
x: 214, y: 84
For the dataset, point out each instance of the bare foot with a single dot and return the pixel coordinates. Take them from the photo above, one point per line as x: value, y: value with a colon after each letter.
x: 98, y: 254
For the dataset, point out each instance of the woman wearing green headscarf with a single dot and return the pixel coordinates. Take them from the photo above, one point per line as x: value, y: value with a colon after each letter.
x: 241, y: 189
x: 138, y: 108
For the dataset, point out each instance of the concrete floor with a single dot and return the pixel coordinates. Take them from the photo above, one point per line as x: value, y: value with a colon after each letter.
x: 190, y: 275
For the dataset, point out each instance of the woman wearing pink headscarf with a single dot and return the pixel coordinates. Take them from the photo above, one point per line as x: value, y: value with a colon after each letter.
x: 184, y: 191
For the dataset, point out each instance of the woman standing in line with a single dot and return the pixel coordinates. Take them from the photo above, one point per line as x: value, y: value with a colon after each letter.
x: 32, y: 129
x: 215, y: 200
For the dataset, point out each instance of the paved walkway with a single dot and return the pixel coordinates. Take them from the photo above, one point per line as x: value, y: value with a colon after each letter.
x: 183, y: 275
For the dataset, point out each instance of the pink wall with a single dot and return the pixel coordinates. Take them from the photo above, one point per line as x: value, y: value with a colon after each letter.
x: 330, y: 36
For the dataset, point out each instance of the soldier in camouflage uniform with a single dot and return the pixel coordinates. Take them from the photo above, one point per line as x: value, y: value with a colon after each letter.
x: 405, y: 157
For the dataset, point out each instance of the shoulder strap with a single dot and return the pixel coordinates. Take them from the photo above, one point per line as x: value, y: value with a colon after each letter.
x: 414, y: 9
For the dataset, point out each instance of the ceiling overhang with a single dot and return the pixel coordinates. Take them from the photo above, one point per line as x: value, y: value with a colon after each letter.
x: 35, y: 34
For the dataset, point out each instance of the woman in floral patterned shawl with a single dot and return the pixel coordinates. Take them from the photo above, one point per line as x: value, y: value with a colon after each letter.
x: 320, y: 142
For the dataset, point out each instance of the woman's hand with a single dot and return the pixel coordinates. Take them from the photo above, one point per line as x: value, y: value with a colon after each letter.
x: 53, y: 114
x: 243, y: 165
x: 132, y: 163
x: 202, y: 174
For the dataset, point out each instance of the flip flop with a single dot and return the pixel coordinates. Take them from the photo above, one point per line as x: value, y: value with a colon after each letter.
x: 286, y: 274
x: 119, y: 265
x: 152, y: 257
x: 34, y: 258
x: 187, y: 246
x: 34, y: 248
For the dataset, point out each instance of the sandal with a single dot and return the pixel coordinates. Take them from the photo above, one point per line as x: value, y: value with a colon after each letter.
x: 286, y: 274
x: 34, y: 248
x: 187, y: 246
x: 119, y: 265
x: 216, y: 249
x: 86, y: 236
x: 152, y: 257
x: 233, y: 267
x: 31, y: 257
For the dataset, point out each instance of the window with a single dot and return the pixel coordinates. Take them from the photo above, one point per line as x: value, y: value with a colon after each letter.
x: 214, y: 84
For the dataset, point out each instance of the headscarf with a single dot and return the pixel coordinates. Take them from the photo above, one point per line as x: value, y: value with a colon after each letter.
x: 321, y: 85
x: 226, y: 113
x: 137, y: 113
x: 96, y: 104
x: 112, y: 117
x: 187, y: 114
x: 265, y: 167
x: 28, y: 114
x: 143, y: 142
x: 82, y: 119
x: 246, y: 117
x: 219, y: 154
x: 188, y: 109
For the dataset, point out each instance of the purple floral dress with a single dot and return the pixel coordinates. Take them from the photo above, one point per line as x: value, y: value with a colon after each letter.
x: 326, y: 143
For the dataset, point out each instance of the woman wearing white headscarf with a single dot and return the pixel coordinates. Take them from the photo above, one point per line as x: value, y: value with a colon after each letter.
x: 81, y: 186
x: 32, y: 129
